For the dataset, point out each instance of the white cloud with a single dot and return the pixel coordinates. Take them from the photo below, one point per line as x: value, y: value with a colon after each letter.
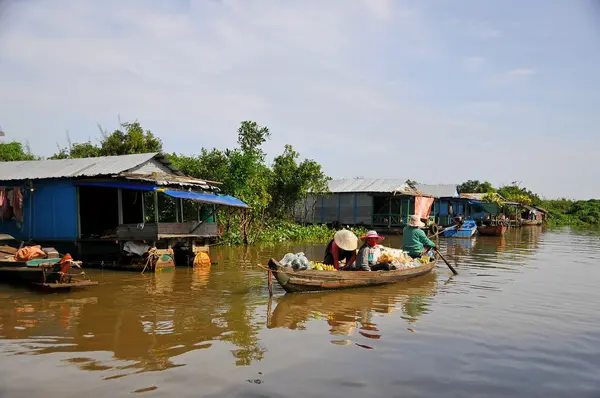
x: 485, y: 31
x: 521, y: 72
x: 474, y: 63
x: 319, y: 74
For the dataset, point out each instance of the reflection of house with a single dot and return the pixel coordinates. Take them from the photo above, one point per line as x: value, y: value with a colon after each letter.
x: 361, y: 201
x: 92, y: 202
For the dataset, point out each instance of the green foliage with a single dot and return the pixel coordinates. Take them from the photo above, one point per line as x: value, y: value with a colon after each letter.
x: 475, y: 186
x: 129, y: 139
x: 14, y: 151
x: 574, y: 213
x: 515, y: 193
x: 210, y: 165
x: 292, y: 182
x: 286, y: 231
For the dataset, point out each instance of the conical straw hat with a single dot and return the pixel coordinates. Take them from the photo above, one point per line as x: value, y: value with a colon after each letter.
x: 345, y: 240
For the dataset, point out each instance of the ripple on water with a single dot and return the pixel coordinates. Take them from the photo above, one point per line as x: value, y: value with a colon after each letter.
x: 520, y: 319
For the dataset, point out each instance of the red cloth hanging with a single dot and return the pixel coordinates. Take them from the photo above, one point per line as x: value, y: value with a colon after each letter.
x: 423, y: 206
x: 18, y: 204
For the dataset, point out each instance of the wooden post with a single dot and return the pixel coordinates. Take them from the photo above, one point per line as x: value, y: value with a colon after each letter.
x: 120, y: 205
x: 270, y: 283
x: 143, y: 207
x: 78, y: 214
x: 181, y: 207
x: 156, y: 207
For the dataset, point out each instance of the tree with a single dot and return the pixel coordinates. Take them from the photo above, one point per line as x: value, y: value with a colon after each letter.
x: 210, y: 165
x: 129, y: 139
x: 15, y: 151
x: 292, y: 182
x: 516, y: 193
x: 474, y: 186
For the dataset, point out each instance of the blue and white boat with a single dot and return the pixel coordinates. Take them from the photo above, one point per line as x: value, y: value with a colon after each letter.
x: 466, y: 231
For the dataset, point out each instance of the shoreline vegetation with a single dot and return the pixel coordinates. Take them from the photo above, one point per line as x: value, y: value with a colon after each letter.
x: 271, y: 191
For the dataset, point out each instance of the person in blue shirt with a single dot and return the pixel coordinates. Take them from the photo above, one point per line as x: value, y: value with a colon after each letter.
x: 368, y: 255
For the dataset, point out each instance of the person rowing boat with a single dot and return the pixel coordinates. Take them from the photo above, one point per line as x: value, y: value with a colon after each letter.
x: 414, y: 240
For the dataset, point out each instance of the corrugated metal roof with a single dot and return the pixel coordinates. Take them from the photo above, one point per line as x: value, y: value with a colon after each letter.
x: 366, y: 185
x: 373, y: 185
x: 85, y: 167
x: 479, y: 196
x: 439, y: 191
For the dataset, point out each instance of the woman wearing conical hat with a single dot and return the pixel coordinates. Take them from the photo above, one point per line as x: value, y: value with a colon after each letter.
x: 342, y: 247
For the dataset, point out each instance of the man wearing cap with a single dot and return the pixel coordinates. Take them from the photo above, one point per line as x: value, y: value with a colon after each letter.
x: 342, y: 247
x: 368, y: 254
x: 414, y: 240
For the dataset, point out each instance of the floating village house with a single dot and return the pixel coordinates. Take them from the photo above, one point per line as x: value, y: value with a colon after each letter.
x: 93, y: 206
x: 389, y: 203
x: 369, y: 202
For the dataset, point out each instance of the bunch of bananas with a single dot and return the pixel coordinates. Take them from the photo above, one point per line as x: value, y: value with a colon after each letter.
x: 424, y: 259
x: 386, y: 257
x: 321, y: 267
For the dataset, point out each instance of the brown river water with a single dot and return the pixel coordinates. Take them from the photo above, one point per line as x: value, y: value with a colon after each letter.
x: 521, y: 319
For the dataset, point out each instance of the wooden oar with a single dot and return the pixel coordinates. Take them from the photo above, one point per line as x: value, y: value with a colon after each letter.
x: 447, y: 263
x: 444, y: 230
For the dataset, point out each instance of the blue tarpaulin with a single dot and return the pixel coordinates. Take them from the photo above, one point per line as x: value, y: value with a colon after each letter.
x: 207, y: 198
x: 197, y: 196
x: 118, y: 184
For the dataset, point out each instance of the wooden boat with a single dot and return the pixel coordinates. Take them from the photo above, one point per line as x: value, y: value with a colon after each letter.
x: 466, y: 231
x: 492, y: 230
x: 42, y: 273
x: 310, y: 281
x: 46, y: 273
x: 530, y: 223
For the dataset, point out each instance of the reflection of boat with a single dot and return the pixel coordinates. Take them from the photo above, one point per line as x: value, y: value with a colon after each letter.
x: 343, y: 309
x: 492, y: 230
x: 48, y: 272
x: 465, y: 231
x: 308, y: 280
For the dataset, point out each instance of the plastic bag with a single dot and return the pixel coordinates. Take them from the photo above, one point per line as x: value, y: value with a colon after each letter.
x: 287, y: 260
x: 297, y: 261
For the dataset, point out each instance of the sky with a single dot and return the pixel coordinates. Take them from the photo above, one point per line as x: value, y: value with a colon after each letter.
x: 436, y: 91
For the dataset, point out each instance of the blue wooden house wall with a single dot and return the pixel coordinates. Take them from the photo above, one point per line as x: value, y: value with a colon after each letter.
x: 49, y: 212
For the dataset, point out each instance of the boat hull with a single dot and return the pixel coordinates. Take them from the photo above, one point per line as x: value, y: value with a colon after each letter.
x: 462, y: 233
x: 531, y: 223
x: 32, y: 274
x: 495, y: 230
x: 311, y: 281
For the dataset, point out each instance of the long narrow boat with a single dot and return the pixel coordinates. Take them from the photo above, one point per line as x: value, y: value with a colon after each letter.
x: 310, y: 281
x: 466, y: 231
x: 492, y: 230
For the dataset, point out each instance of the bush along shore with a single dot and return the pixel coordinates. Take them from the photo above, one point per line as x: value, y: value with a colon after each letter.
x: 561, y: 212
x: 272, y: 190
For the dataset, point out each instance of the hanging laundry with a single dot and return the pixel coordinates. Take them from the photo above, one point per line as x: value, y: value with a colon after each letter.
x: 18, y: 204
x: 7, y: 210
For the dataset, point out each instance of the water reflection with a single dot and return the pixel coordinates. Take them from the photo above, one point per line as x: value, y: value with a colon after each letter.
x: 514, y: 310
x: 350, y: 311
